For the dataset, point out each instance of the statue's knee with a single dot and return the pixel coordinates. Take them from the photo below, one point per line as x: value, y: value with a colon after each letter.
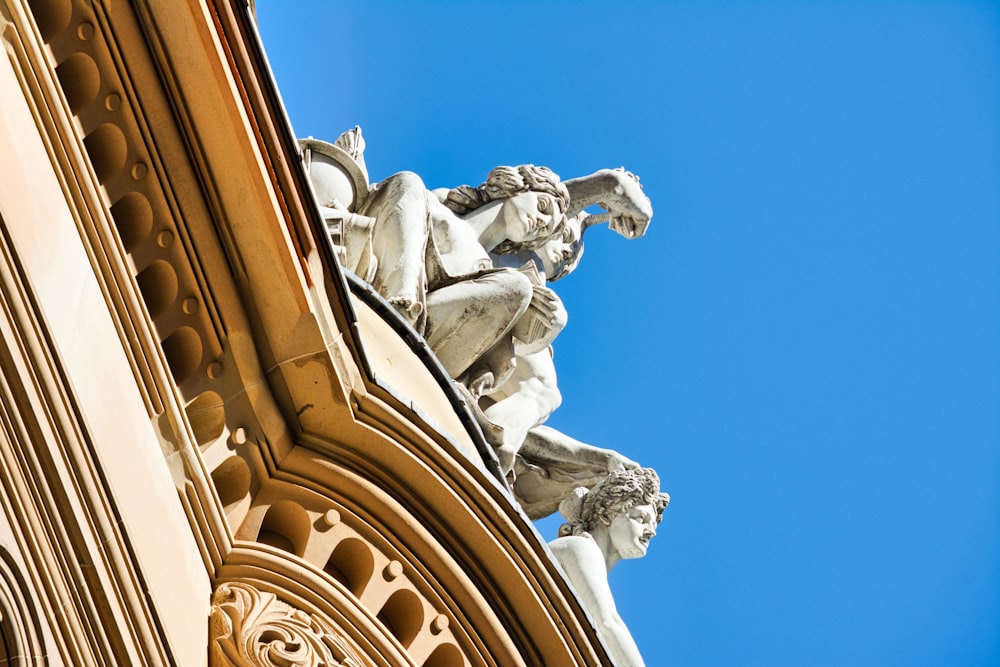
x: 510, y: 293
x: 517, y: 285
x: 401, y: 200
x: 405, y: 181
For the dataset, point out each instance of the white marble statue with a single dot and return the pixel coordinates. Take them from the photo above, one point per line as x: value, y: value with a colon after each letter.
x: 614, y: 520
x: 467, y: 267
x: 431, y: 262
x: 431, y: 256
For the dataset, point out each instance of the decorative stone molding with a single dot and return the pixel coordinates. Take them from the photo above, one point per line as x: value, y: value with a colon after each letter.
x: 254, y: 628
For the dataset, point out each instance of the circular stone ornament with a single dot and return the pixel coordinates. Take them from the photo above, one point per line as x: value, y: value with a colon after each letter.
x: 334, y: 174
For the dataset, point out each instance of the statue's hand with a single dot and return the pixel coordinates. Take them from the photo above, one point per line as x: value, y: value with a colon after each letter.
x: 548, y: 306
x: 339, y: 219
x: 333, y: 216
x: 629, y: 207
x: 541, y: 322
x: 617, y: 462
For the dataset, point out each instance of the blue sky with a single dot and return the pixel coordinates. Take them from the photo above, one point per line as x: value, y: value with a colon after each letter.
x: 805, y: 343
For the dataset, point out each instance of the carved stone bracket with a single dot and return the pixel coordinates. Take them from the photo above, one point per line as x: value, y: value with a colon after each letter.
x: 253, y: 628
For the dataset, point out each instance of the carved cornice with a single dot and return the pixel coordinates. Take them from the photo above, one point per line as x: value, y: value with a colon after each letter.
x: 255, y: 628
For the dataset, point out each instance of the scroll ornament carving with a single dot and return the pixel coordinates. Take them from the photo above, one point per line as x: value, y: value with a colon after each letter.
x: 253, y: 628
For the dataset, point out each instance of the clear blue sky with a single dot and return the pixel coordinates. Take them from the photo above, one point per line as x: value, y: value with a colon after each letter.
x: 804, y: 345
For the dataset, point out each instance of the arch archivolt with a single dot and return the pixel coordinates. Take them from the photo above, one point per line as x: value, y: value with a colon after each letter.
x: 21, y: 637
x: 323, y: 546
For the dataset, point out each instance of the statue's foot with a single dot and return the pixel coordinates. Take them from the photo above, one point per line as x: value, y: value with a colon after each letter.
x: 481, y: 385
x: 505, y: 456
x: 407, y: 306
x: 492, y: 432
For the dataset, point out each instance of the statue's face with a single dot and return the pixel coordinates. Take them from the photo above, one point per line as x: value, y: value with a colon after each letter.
x: 631, y: 531
x: 561, y: 250
x: 530, y: 215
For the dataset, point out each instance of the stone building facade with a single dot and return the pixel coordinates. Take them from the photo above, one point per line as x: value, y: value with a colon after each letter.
x: 214, y: 447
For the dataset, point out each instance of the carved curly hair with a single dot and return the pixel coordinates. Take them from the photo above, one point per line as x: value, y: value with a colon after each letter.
x: 506, y: 182
x: 503, y: 182
x: 619, y: 492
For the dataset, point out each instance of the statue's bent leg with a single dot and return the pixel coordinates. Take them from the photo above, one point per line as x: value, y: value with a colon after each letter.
x: 466, y: 319
x: 523, y: 402
x: 399, y: 238
x: 493, y: 368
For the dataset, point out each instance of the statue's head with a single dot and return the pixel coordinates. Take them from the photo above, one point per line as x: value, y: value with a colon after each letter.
x: 556, y: 257
x: 626, y: 506
x: 561, y: 253
x: 534, y: 207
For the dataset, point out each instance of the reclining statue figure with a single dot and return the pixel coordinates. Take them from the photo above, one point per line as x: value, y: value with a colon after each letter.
x: 431, y: 261
x: 614, y: 520
x: 430, y: 254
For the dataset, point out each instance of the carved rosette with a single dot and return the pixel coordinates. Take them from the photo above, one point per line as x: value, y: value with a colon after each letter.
x: 253, y: 628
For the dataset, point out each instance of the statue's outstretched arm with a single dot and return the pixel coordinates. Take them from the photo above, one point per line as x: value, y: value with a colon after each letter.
x: 617, y: 191
x: 551, y: 464
x: 546, y: 444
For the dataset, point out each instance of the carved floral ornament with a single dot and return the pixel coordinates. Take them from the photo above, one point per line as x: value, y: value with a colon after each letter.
x: 253, y: 628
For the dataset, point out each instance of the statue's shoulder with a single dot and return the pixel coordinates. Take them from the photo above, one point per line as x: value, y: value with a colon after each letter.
x: 576, y: 549
x: 583, y: 562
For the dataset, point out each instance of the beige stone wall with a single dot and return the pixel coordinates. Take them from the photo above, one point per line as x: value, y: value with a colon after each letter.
x: 103, y: 504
